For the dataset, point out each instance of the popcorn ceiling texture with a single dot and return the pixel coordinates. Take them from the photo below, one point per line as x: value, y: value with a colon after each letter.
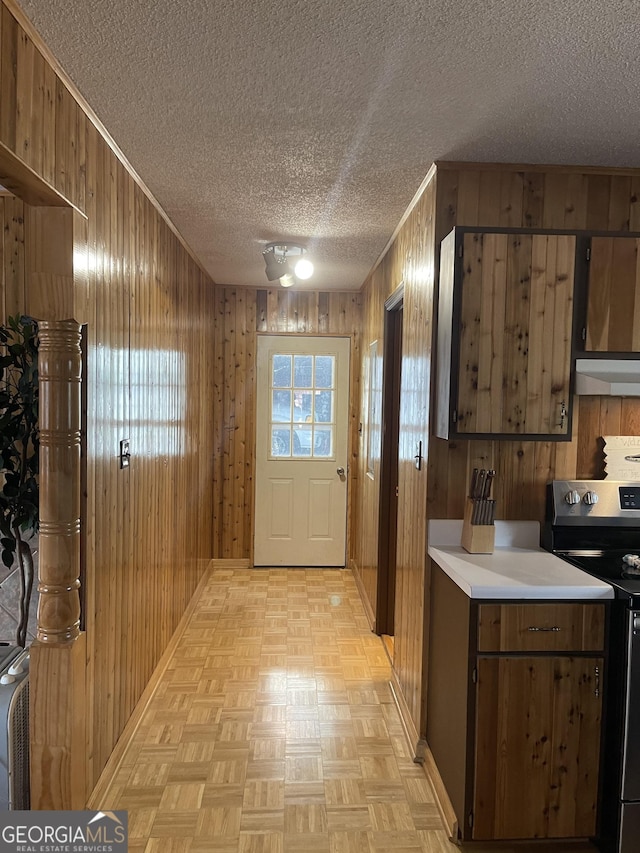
x: 318, y: 119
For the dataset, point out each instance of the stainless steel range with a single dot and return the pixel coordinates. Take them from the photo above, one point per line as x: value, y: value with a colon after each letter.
x: 595, y: 524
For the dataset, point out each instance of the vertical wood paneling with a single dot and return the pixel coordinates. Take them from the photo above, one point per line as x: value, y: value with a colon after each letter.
x: 8, y: 68
x: 12, y: 258
x: 149, y: 378
x: 410, y: 259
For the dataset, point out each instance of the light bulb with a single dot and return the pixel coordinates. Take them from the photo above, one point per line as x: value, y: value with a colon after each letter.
x: 304, y: 269
x: 287, y: 280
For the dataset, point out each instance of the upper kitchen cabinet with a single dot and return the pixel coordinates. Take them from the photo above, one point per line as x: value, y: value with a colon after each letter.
x: 613, y: 304
x: 505, y: 321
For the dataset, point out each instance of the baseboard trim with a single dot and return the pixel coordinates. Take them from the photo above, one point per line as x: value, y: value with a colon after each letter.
x: 96, y: 798
x: 231, y: 564
x: 422, y: 755
x: 368, y: 609
x: 417, y: 744
x: 440, y: 795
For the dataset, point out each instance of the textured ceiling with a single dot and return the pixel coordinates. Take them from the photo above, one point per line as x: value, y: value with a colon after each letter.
x: 258, y: 121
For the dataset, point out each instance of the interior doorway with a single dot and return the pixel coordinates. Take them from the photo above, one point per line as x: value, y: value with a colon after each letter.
x: 388, y: 513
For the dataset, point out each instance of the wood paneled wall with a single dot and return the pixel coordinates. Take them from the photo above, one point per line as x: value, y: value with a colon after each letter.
x: 148, y: 378
x: 409, y: 260
x: 240, y: 315
x: 485, y: 196
x: 12, y: 261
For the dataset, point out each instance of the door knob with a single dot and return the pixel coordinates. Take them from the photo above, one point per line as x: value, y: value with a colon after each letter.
x: 340, y: 472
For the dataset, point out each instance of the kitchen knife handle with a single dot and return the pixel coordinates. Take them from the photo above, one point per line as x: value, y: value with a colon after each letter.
x: 474, y: 484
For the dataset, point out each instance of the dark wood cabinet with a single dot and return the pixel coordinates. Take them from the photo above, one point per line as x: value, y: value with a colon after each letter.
x: 613, y: 301
x: 505, y: 324
x: 514, y: 713
x: 537, y: 747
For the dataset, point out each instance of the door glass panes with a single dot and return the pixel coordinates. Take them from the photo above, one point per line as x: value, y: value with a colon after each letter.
x: 303, y: 371
x: 280, y: 442
x: 302, y: 396
x: 324, y: 402
x: 281, y: 374
x: 324, y: 371
x: 281, y: 406
x: 323, y: 446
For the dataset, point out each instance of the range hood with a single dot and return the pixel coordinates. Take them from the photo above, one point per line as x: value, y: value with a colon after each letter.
x: 608, y: 377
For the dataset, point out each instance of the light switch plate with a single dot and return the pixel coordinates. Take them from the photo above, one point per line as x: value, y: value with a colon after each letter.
x: 125, y: 456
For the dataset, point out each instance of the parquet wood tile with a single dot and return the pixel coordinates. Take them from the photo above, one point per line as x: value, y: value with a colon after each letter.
x: 344, y: 792
x: 349, y: 818
x: 273, y: 730
x: 263, y: 794
x: 266, y: 770
x: 222, y: 794
x: 350, y: 842
x: 175, y: 824
x: 304, y: 793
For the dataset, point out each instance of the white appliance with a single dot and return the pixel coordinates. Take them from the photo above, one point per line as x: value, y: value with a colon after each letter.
x: 14, y: 728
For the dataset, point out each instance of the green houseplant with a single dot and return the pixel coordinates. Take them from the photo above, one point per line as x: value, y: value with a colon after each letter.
x: 19, y: 452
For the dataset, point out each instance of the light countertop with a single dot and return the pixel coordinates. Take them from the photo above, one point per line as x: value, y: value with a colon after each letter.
x: 518, y: 567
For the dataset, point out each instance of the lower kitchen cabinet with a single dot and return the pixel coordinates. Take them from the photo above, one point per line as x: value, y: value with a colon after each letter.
x: 514, y: 713
x: 537, y: 747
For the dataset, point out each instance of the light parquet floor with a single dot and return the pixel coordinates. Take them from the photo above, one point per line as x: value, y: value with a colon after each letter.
x: 273, y: 730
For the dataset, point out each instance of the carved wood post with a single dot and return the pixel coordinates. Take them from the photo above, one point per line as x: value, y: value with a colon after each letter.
x: 58, y: 656
x: 59, y: 545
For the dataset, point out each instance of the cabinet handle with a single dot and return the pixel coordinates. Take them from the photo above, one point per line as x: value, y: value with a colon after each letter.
x: 596, y: 672
x: 563, y: 414
x: 534, y: 628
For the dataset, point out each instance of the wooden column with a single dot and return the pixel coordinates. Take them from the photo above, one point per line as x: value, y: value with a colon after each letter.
x: 58, y: 665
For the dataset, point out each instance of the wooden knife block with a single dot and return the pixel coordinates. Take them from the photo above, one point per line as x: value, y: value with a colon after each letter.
x: 476, y: 538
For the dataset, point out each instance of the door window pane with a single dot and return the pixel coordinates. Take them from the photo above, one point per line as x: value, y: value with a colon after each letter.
x: 303, y: 371
x: 302, y: 406
x: 323, y: 442
x: 302, y: 396
x: 324, y: 371
x: 323, y: 413
x: 281, y: 407
x: 280, y: 442
x: 302, y: 440
x: 281, y: 371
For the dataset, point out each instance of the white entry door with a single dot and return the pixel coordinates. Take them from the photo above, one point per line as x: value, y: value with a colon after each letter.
x: 302, y: 428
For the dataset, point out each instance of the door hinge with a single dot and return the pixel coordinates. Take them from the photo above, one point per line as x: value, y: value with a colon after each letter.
x: 470, y: 820
x: 583, y: 333
x: 474, y: 675
x: 460, y: 250
x: 454, y: 416
x: 397, y: 491
x: 588, y: 253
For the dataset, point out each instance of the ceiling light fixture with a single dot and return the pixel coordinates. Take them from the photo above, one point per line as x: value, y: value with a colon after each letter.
x: 285, y: 261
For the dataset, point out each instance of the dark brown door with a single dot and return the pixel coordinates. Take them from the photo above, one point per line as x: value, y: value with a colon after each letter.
x: 388, y: 519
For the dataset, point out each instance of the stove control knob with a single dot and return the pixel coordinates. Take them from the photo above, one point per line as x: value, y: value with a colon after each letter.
x: 572, y: 497
x: 590, y: 498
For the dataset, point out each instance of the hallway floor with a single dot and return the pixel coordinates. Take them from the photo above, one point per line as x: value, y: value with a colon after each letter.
x: 273, y: 730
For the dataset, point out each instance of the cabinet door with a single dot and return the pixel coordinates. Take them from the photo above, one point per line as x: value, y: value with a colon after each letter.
x: 516, y: 316
x: 537, y: 746
x: 613, y: 309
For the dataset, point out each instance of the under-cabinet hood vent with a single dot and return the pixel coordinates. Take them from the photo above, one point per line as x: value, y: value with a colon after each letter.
x: 608, y: 377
